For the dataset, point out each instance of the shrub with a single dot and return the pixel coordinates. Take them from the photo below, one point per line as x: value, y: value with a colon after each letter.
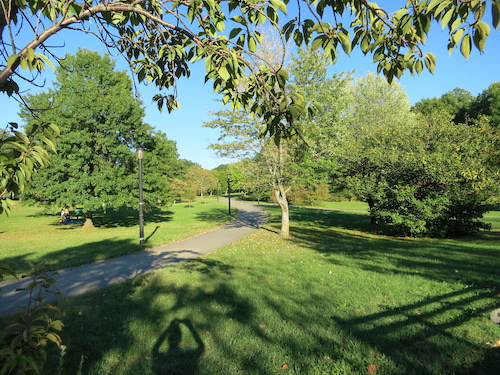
x: 23, y: 342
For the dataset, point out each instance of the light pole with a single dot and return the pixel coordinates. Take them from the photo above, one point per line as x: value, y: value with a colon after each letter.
x: 229, y: 191
x: 140, y: 155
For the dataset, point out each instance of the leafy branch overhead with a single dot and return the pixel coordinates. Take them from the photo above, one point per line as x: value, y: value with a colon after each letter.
x: 162, y: 38
x: 20, y: 154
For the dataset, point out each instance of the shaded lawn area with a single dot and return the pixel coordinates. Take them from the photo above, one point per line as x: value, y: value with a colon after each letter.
x: 28, y: 235
x: 333, y: 300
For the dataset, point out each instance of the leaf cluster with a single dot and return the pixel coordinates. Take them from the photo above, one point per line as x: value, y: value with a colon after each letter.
x: 162, y: 38
x: 23, y: 342
x: 419, y: 175
x: 21, y: 153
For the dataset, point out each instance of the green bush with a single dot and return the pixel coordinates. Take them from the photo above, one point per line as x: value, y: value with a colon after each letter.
x: 24, y: 340
x: 410, y: 210
x: 309, y: 195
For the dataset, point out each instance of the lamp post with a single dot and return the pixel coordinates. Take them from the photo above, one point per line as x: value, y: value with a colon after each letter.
x: 140, y: 155
x: 229, y: 192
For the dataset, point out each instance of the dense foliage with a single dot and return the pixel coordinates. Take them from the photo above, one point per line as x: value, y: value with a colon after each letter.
x: 101, y: 126
x: 161, y: 38
x: 21, y: 154
x: 421, y: 175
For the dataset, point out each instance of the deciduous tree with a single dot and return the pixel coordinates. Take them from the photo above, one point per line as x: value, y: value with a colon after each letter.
x: 420, y: 175
x: 101, y: 126
x: 201, y: 180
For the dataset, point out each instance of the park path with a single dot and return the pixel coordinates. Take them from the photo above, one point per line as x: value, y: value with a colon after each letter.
x: 89, y: 277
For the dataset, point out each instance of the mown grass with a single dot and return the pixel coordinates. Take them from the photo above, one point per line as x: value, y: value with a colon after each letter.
x: 335, y: 299
x: 346, y: 206
x: 28, y: 235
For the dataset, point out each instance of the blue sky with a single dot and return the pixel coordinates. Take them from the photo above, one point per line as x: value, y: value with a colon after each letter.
x: 197, y: 99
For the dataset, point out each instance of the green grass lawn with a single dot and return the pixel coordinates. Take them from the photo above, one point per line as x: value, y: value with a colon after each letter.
x: 346, y: 206
x: 335, y: 299
x: 28, y: 235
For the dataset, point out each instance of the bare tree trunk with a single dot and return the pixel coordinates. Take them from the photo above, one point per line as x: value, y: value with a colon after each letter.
x: 280, y: 195
x: 371, y: 204
x: 89, y: 224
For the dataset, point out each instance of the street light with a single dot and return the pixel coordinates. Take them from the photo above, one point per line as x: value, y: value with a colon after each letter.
x: 229, y: 191
x: 140, y: 155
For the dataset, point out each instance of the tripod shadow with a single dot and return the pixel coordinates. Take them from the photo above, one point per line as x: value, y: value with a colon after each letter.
x: 179, y: 358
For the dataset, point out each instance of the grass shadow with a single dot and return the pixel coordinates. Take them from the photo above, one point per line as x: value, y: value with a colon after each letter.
x: 216, y: 215
x: 250, y: 318
x: 71, y: 256
x: 124, y: 217
x: 143, y: 307
x: 348, y: 238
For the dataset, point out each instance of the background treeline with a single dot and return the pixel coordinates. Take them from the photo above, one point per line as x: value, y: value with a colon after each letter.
x: 431, y: 169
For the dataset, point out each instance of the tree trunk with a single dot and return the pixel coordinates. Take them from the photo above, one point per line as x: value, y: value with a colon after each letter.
x: 89, y: 224
x: 280, y: 195
x: 371, y: 204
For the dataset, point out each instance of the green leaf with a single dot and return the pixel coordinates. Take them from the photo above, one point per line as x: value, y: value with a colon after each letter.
x: 345, y: 41
x: 23, y: 63
x: 457, y: 36
x: 466, y: 46
x: 447, y: 17
x: 224, y: 74
x: 252, y: 45
x: 30, y: 54
x: 456, y: 24
x: 483, y: 28
x: 430, y: 61
x: 234, y: 32
x: 74, y: 9
x: 400, y: 13
x: 441, y: 7
x: 419, y: 67
x: 298, y: 37
x: 317, y: 42
x: 12, y: 59
x: 284, y: 73
x: 405, y: 24
x: 365, y: 44
x: 432, y: 4
x: 495, y: 12
x: 46, y: 59
x: 279, y: 5
x: 479, y: 40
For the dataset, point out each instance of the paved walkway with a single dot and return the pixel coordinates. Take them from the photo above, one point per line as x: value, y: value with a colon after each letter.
x: 83, y: 279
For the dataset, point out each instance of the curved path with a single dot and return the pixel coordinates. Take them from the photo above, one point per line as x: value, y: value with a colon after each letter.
x: 79, y: 280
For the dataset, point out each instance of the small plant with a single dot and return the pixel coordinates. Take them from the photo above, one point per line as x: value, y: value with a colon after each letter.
x: 23, y: 342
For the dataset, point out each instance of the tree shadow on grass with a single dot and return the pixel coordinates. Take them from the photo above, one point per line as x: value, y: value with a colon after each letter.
x: 411, y: 336
x: 207, y: 317
x: 304, y: 329
x: 442, y: 260
x: 111, y: 320
x: 348, y: 238
x: 215, y: 215
x: 76, y: 255
x: 125, y: 217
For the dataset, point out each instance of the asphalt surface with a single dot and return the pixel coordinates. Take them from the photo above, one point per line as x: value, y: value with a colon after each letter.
x: 89, y: 277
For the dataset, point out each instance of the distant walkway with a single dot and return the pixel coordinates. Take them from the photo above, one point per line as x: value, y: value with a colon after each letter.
x: 89, y: 277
